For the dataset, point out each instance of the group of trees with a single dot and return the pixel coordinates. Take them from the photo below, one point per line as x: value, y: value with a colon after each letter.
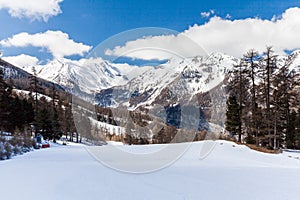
x: 43, y: 110
x: 263, y: 104
x: 52, y: 110
x: 15, y: 112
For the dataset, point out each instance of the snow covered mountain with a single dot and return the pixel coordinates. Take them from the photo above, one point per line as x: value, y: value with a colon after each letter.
x: 133, y: 86
x: 171, y: 81
x: 88, y: 75
x: 20, y: 77
x: 296, y: 63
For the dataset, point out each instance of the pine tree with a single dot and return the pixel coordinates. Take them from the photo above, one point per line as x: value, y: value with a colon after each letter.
x: 34, y: 90
x: 54, y: 111
x: 297, y: 130
x: 27, y: 112
x: 43, y: 122
x: 233, y: 119
x: 285, y: 96
x: 251, y: 62
x: 67, y: 122
x: 5, y: 113
x: 291, y: 131
x: 268, y: 64
x: 238, y: 87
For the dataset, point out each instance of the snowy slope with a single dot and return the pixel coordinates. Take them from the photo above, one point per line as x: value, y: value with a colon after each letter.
x: 26, y: 94
x: 296, y: 64
x: 230, y: 172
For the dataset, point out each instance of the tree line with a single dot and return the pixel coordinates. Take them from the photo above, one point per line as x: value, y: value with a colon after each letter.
x: 263, y: 105
x: 37, y: 110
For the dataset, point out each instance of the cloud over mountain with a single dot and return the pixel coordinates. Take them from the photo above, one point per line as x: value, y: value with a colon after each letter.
x: 233, y: 37
x: 22, y: 60
x: 58, y: 43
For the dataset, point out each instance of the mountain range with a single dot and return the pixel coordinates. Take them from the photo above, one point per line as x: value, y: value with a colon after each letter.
x: 175, y: 91
x: 112, y: 85
x: 99, y: 77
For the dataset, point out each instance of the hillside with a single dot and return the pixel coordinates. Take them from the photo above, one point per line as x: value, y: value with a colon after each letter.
x: 21, y: 77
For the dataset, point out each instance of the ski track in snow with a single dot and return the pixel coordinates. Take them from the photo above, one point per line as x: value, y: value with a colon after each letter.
x: 230, y: 172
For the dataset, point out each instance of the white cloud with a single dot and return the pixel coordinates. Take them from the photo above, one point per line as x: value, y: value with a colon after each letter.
x: 228, y: 16
x: 22, y: 60
x: 56, y: 42
x: 158, y: 48
x: 233, y: 37
x: 32, y: 9
x: 205, y: 14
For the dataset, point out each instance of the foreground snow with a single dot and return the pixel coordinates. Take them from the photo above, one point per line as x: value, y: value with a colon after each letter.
x: 230, y: 171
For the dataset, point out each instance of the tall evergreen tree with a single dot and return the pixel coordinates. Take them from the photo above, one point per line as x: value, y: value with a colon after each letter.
x: 238, y: 87
x: 54, y: 111
x: 251, y: 59
x: 297, y: 127
x: 291, y: 131
x: 67, y: 123
x: 43, y: 121
x: 286, y: 83
x: 268, y: 64
x: 34, y: 90
x: 5, y: 113
x: 233, y: 119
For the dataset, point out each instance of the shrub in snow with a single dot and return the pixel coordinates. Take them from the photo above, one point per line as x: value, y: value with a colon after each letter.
x: 15, y: 146
x: 9, y: 150
x: 16, y: 141
x: 2, y: 151
x: 29, y: 143
x: 17, y: 150
x: 6, y: 150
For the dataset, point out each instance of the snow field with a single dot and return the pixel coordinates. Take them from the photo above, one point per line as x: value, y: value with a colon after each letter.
x: 230, y: 171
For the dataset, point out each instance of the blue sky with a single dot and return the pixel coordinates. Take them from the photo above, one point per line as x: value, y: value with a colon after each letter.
x: 92, y: 21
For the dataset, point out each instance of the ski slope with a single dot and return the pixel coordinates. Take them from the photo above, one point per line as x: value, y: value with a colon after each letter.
x: 230, y: 171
